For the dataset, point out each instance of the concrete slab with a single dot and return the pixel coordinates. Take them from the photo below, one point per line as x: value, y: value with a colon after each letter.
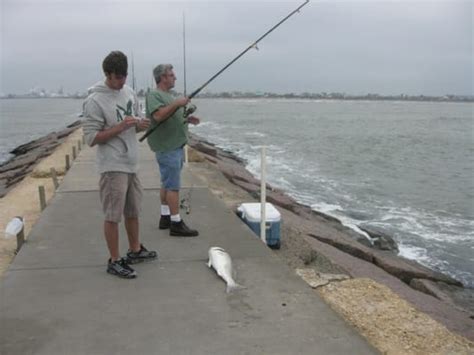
x: 69, y: 234
x: 172, y: 308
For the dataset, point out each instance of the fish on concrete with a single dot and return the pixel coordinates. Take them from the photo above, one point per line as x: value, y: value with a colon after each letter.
x: 220, y: 260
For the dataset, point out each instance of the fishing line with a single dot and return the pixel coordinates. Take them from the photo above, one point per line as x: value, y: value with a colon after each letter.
x: 253, y: 45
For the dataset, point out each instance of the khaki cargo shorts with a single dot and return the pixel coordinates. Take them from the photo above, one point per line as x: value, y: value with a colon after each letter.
x: 120, y: 193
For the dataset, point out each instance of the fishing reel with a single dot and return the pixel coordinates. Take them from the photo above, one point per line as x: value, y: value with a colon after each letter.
x: 189, y: 109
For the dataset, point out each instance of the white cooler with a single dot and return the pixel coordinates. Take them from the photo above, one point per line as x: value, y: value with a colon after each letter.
x: 250, y: 214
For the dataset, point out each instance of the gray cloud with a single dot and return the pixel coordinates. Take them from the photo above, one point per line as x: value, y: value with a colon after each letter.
x: 390, y: 47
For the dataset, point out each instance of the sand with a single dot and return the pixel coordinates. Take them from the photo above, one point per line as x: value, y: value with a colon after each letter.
x: 23, y: 199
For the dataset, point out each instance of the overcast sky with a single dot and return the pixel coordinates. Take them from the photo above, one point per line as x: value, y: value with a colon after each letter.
x: 351, y: 46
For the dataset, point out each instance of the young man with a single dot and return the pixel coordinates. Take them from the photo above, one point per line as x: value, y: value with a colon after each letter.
x: 167, y: 142
x: 111, y: 122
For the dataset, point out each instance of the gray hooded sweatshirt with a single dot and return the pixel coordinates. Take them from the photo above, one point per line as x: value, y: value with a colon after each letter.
x: 105, y: 108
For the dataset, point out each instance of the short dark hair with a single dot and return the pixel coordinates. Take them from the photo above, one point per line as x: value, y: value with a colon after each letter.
x: 115, y: 62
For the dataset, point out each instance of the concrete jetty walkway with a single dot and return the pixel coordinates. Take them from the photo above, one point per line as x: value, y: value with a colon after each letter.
x: 56, y: 297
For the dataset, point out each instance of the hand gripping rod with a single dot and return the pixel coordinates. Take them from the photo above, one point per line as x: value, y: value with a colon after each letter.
x: 253, y: 45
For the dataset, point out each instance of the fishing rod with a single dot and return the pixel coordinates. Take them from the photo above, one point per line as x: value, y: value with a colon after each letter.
x: 186, y: 201
x: 190, y: 108
x: 184, y: 53
x: 253, y: 45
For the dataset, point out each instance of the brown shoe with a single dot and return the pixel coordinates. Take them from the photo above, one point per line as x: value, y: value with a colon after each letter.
x: 180, y: 229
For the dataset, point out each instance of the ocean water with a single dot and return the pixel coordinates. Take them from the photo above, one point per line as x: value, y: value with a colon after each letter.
x: 406, y: 168
x: 23, y: 120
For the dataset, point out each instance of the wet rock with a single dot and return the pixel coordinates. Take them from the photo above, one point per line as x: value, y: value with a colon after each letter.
x: 28, y: 155
x: 252, y: 189
x: 214, y: 161
x: 357, y: 215
x: 234, y: 172
x: 37, y: 143
x: 12, y: 173
x: 22, y: 162
x: 281, y: 200
x: 430, y: 288
x: 364, y: 241
x: 202, y: 147
x: 347, y: 245
x: 381, y: 240
x: 326, y: 217
x: 75, y: 124
x: 462, y: 297
x: 66, y: 132
x: 407, y: 270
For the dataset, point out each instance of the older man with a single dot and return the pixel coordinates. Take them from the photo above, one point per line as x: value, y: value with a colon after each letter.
x: 167, y: 141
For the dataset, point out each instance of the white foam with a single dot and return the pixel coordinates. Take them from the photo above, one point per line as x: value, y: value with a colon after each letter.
x: 430, y: 226
x: 325, y: 207
x: 413, y: 253
x: 255, y: 134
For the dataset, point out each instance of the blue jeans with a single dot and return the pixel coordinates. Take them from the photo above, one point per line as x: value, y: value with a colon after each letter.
x: 170, y: 164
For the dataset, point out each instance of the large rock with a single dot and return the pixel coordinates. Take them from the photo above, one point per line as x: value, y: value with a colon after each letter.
x: 10, y: 174
x: 75, y: 124
x: 28, y: 155
x: 453, y: 318
x: 252, y: 189
x: 404, y: 269
x: 381, y: 240
x: 347, y: 245
x: 233, y: 171
x: 65, y: 132
x: 209, y: 148
x: 202, y: 147
x: 407, y: 270
x: 430, y: 288
x: 282, y: 200
x: 23, y: 161
x: 207, y: 157
x: 37, y: 143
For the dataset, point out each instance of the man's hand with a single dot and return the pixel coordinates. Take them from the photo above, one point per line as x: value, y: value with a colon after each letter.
x: 181, y: 102
x: 104, y: 135
x: 128, y: 122
x: 194, y: 120
x: 143, y: 124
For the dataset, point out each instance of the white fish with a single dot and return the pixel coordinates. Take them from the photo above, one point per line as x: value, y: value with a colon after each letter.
x: 222, y: 263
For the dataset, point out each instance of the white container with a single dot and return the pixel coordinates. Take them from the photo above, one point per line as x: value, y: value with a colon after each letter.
x: 13, y: 227
x: 250, y: 214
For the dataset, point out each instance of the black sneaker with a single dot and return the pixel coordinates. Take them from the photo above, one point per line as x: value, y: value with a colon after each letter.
x: 142, y: 255
x: 121, y: 269
x: 165, y: 222
x: 180, y: 229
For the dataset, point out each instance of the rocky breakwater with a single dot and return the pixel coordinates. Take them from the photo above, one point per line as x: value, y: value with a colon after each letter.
x: 371, y: 253
x: 28, y: 155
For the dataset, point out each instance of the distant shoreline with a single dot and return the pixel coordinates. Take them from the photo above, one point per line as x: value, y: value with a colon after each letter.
x: 309, y: 97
